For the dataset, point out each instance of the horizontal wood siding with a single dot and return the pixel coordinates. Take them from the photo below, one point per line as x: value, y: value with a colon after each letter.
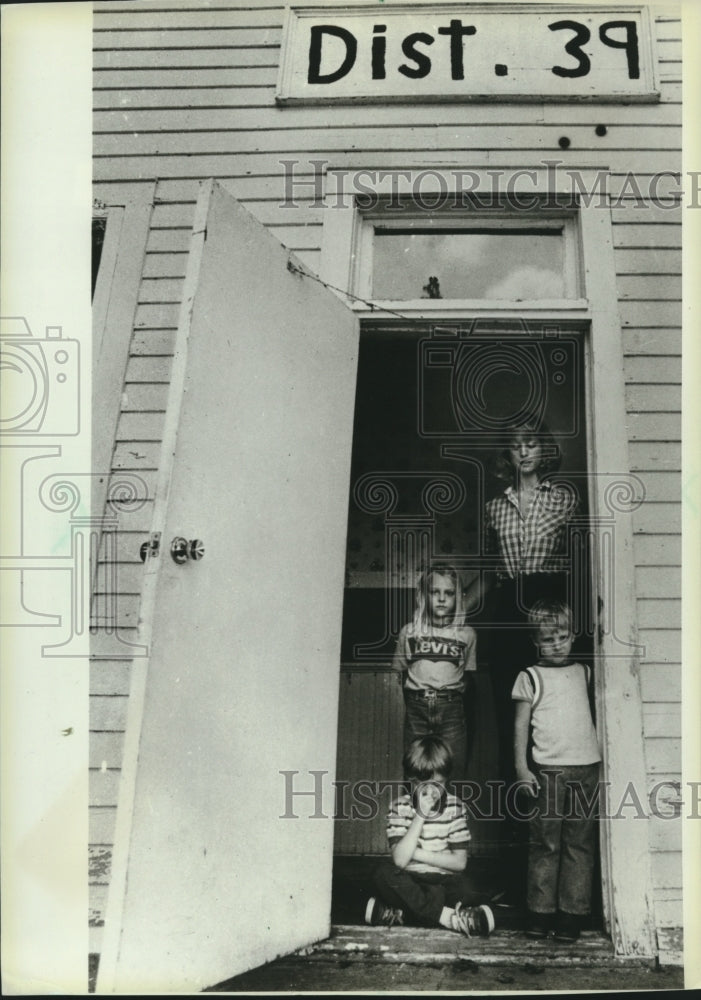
x: 185, y: 91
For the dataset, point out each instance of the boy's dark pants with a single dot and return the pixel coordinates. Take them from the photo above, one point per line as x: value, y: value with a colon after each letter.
x: 562, y: 843
x: 422, y: 896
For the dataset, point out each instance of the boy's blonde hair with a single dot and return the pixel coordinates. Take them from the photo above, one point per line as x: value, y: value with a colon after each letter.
x: 427, y: 756
x: 548, y: 613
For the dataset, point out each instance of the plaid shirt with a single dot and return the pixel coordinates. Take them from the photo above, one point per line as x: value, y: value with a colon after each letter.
x: 534, y: 543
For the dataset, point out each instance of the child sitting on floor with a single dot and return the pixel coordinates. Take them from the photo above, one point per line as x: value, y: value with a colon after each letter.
x: 426, y: 883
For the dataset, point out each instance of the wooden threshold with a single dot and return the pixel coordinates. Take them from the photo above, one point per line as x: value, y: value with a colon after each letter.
x: 429, y: 946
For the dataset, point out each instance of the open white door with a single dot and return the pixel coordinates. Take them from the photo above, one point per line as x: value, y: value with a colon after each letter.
x: 242, y: 679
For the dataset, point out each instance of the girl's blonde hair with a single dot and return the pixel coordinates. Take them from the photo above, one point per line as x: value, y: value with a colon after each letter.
x: 422, y: 614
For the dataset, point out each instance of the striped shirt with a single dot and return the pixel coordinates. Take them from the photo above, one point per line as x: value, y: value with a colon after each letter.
x: 533, y: 542
x: 446, y: 831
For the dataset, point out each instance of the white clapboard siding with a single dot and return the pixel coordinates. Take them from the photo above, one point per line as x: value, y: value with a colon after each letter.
x: 662, y: 613
x: 665, y: 830
x: 97, y: 900
x: 152, y: 98
x: 659, y: 124
x: 634, y: 235
x: 108, y: 644
x: 227, y: 55
x: 649, y: 314
x: 184, y: 91
x: 293, y: 197
x: 102, y: 825
x: 645, y: 456
x: 156, y: 81
x: 653, y: 516
x: 124, y: 546
x: 149, y: 92
x: 661, y: 683
x: 654, y: 261
x: 117, y: 577
x: 662, y: 720
x: 106, y: 750
x: 663, y: 754
x: 658, y: 581
x: 165, y: 264
x: 108, y: 713
x: 273, y: 187
x: 117, y: 162
x: 137, y: 134
x: 136, y: 456
x: 660, y: 487
x: 660, y: 645
x: 230, y: 36
x: 639, y: 287
x: 653, y: 369
x: 103, y: 785
x: 646, y: 398
x: 110, y: 677
x: 174, y: 18
x: 660, y: 341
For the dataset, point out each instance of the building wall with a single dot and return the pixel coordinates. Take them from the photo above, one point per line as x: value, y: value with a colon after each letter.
x: 185, y: 91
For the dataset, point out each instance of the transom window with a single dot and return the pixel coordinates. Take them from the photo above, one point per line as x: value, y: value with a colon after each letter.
x: 430, y: 256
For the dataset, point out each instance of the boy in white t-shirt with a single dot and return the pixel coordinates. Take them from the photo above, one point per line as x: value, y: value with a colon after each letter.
x: 553, y: 698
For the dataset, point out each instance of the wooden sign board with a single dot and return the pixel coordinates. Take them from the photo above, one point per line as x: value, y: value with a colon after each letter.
x: 466, y: 52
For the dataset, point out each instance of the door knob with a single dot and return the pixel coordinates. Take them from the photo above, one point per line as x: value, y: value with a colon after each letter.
x: 181, y: 549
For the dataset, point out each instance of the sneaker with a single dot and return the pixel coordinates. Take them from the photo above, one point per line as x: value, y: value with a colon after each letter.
x: 567, y: 928
x: 473, y: 920
x: 538, y: 926
x: 377, y: 914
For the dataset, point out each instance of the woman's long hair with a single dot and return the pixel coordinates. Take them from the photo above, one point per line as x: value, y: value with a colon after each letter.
x: 422, y: 615
x: 551, y: 457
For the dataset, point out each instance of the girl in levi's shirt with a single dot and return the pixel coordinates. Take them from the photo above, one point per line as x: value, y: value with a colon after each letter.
x: 435, y: 656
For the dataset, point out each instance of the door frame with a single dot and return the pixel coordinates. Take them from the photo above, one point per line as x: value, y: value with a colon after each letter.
x: 128, y: 216
x: 627, y: 890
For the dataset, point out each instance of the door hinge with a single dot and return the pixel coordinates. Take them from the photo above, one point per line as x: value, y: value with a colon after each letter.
x: 151, y: 547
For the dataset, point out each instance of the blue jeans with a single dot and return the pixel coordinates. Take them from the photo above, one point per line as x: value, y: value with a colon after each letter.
x: 422, y: 895
x: 441, y: 713
x: 562, y: 844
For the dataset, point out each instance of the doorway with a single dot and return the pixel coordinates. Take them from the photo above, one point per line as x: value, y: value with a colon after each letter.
x: 431, y: 404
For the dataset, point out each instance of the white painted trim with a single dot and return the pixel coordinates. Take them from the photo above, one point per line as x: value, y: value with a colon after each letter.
x: 139, y: 672
x: 114, y: 217
x: 456, y: 308
x: 346, y: 237
x: 625, y: 846
x: 114, y: 309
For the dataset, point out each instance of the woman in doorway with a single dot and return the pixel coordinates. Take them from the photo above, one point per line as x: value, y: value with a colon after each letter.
x: 526, y: 534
